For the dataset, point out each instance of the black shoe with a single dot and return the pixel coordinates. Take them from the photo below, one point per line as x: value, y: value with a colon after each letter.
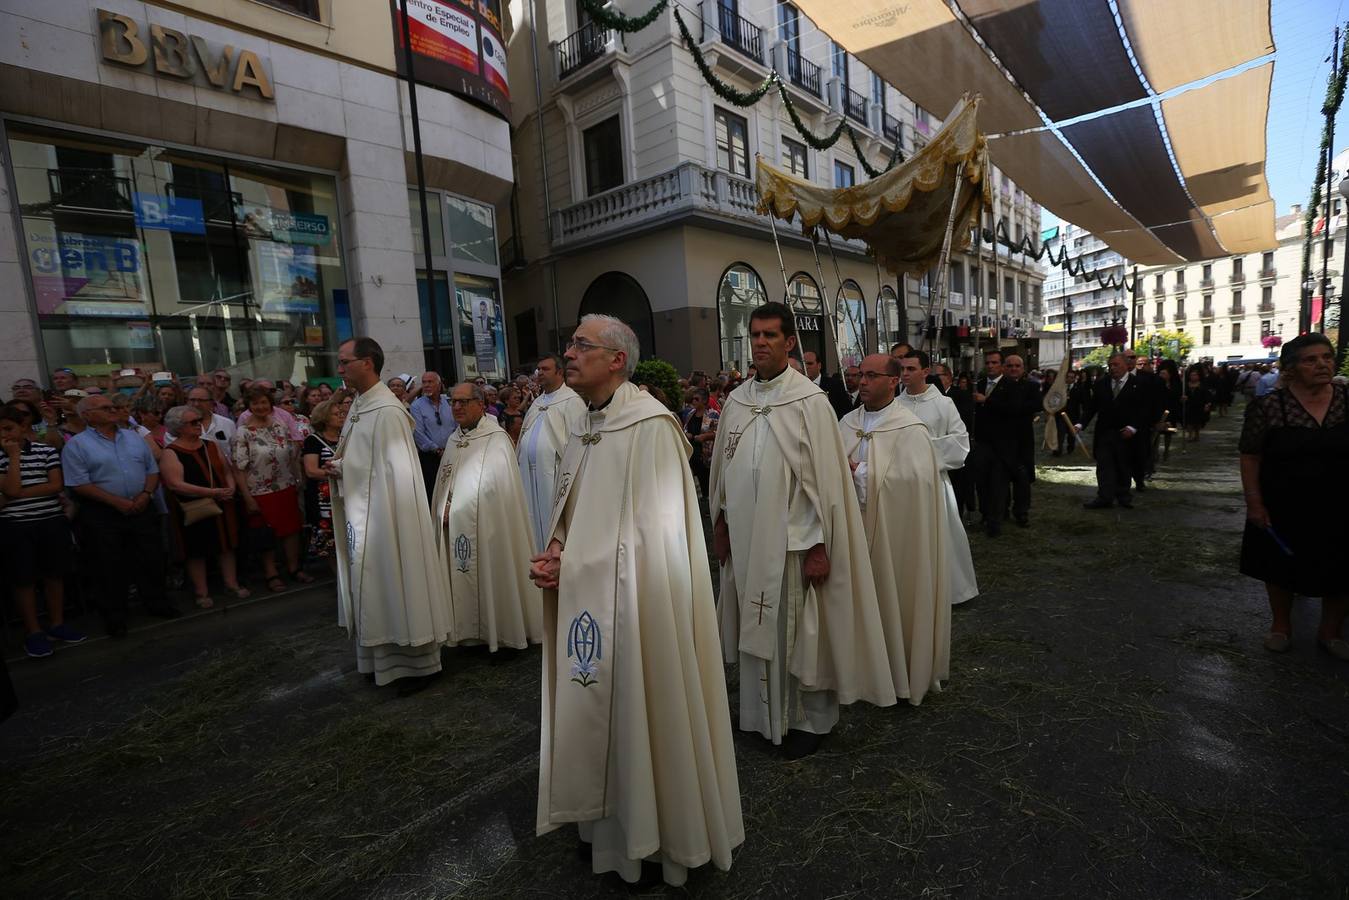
x: 992, y: 527
x: 1097, y: 504
x: 409, y: 686
x: 115, y: 630
x: 1023, y: 521
x: 800, y: 744
x: 369, y: 676
x: 504, y: 656
x: 164, y: 612
x: 1140, y: 487
x: 1125, y: 503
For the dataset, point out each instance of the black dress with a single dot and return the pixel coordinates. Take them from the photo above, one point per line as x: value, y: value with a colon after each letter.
x: 207, y: 538
x: 1302, y: 467
x: 1196, y: 416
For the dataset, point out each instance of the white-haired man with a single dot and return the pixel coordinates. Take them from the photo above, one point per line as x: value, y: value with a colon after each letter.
x: 483, y: 531
x: 635, y: 740
x: 543, y: 436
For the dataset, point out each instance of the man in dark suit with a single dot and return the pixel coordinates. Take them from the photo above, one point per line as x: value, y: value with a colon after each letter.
x: 1004, y: 441
x: 852, y: 385
x: 832, y: 385
x: 962, y: 479
x: 1121, y: 407
x: 1154, y: 402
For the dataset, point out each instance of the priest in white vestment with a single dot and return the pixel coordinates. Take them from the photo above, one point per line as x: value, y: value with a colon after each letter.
x: 482, y: 531
x: 903, y: 497
x: 798, y: 603
x: 636, y: 743
x: 542, y: 439
x: 391, y: 589
x: 952, y: 443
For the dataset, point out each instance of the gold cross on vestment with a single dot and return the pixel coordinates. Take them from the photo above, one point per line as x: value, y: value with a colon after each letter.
x: 589, y: 439
x: 762, y: 604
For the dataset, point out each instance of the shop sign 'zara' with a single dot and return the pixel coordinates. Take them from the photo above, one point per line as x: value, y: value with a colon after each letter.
x: 173, y: 54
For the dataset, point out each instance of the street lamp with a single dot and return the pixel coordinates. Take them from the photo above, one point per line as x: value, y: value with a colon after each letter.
x: 1342, y: 339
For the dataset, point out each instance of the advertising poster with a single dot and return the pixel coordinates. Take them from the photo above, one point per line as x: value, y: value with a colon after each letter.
x: 287, y: 278
x: 263, y: 223
x: 457, y: 46
x: 484, y: 333
x: 85, y: 275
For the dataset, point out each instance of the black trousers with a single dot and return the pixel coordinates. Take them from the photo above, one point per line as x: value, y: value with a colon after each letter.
x: 430, y: 463
x: 121, y: 551
x: 995, y: 478
x: 1116, y: 457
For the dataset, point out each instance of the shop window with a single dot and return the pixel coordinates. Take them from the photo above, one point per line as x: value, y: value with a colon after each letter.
x: 795, y: 158
x: 740, y: 291
x: 732, y: 143
x: 851, y: 324
x: 472, y: 231
x: 160, y: 259
x: 803, y: 296
x: 603, y: 156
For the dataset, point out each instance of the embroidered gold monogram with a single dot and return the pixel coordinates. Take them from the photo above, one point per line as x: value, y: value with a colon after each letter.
x: 732, y: 443
x: 562, y: 484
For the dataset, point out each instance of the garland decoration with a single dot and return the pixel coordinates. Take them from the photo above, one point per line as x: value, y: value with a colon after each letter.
x: 723, y: 90
x: 1330, y: 108
x: 619, y: 22
x: 1075, y: 267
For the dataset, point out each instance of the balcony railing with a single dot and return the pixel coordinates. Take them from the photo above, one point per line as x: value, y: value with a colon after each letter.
x: 740, y: 33
x: 1236, y: 310
x: 1269, y: 274
x: 890, y: 127
x: 1266, y: 307
x: 803, y: 73
x: 1180, y: 289
x: 1206, y: 284
x: 1159, y: 291
x: 586, y: 44
x: 687, y: 189
x: 1180, y: 316
x: 1158, y: 319
x: 855, y: 105
x: 89, y: 189
x: 1206, y: 312
x: 1237, y: 278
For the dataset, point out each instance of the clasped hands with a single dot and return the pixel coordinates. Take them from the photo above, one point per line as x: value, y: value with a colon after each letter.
x: 545, y: 568
x: 816, y: 568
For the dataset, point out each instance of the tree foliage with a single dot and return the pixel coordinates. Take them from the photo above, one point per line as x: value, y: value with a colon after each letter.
x: 1159, y: 343
x: 658, y: 373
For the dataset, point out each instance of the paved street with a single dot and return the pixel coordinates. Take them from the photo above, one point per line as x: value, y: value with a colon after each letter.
x: 1112, y: 727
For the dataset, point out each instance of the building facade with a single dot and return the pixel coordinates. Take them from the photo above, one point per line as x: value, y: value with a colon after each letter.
x: 230, y: 184
x: 1078, y: 307
x: 636, y: 195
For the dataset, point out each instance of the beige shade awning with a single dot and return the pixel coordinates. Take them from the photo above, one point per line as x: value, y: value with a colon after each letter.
x: 1066, y: 60
x: 902, y: 215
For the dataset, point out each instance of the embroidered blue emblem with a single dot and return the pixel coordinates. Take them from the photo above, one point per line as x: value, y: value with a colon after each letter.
x: 585, y: 644
x: 463, y: 551
x: 351, y: 540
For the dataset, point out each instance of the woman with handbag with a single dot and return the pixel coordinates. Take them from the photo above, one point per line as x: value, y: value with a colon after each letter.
x: 319, y: 449
x: 267, y: 458
x: 200, y: 486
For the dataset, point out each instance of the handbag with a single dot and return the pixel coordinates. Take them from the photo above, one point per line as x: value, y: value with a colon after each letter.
x: 201, y: 508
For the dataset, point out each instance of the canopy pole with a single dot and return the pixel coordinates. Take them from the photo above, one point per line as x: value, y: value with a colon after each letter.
x: 943, y: 268
x: 880, y: 292
x: 862, y: 330
x: 824, y: 293
x: 786, y: 287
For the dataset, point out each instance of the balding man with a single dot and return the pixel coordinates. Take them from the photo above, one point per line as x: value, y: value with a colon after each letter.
x: 1004, y: 408
x: 1121, y: 407
x: 433, y: 422
x: 215, y: 427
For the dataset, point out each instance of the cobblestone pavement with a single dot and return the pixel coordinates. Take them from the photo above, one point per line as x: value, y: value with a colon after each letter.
x: 1112, y: 727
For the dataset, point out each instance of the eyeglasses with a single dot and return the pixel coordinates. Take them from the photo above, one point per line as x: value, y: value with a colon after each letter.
x: 584, y: 346
x: 463, y: 403
x: 349, y: 361
x: 870, y: 376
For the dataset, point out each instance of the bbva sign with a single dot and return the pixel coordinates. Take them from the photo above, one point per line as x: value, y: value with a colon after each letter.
x: 182, y: 56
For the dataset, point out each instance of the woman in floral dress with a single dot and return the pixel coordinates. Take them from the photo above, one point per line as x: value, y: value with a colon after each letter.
x: 269, y: 462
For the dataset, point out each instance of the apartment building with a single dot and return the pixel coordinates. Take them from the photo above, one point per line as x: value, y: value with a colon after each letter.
x: 636, y: 195
x: 1229, y: 305
x: 226, y: 183
x: 1076, y: 306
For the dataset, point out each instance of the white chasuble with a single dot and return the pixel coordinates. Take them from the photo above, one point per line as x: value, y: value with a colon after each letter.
x: 482, y: 530
x: 391, y: 588
x: 951, y: 442
x: 543, y: 435
x: 635, y: 738
x: 780, y: 477
x: 908, y: 541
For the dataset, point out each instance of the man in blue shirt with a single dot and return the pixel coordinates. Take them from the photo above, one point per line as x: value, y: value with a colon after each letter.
x: 114, y: 475
x: 434, y: 424
x: 1268, y: 382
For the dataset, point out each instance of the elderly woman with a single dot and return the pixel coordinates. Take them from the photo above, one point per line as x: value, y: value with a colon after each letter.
x: 266, y: 457
x: 320, y: 447
x: 193, y: 469
x: 700, y: 427
x: 512, y: 412
x: 1294, y: 455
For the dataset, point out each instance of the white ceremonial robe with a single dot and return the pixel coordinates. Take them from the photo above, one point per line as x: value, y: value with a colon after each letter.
x: 904, y: 513
x: 777, y: 462
x: 391, y: 589
x: 482, y: 533
x: 951, y: 442
x: 635, y: 743
x: 543, y: 435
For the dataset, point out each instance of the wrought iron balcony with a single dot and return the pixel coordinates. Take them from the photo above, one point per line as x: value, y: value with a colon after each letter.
x: 88, y: 189
x: 803, y: 73
x: 1206, y: 312
x: 855, y: 105
x: 740, y: 33
x: 1159, y: 291
x: 1158, y: 319
x: 1269, y: 274
x: 890, y: 127
x: 584, y: 45
x: 1266, y: 307
x: 1236, y: 310
x: 1206, y: 284
x: 1180, y: 289
x: 1238, y: 278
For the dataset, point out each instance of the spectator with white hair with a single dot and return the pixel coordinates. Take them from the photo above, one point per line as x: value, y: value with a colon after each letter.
x: 114, y: 475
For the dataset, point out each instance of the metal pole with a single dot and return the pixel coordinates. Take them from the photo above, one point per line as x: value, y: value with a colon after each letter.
x: 1342, y: 339
x: 1330, y: 150
x: 786, y: 287
x: 431, y: 300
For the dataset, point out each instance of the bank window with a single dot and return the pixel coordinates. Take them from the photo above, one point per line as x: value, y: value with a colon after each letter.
x: 167, y: 260
x: 732, y: 143
x: 843, y: 175
x: 472, y: 231
x: 307, y: 8
x: 795, y: 158
x: 603, y: 156
x: 434, y: 219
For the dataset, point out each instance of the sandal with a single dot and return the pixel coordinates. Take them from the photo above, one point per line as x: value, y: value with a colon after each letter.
x: 301, y: 576
x: 276, y: 584
x: 239, y: 592
x: 204, y: 602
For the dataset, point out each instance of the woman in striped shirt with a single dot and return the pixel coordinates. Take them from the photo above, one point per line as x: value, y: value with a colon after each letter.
x: 34, y: 534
